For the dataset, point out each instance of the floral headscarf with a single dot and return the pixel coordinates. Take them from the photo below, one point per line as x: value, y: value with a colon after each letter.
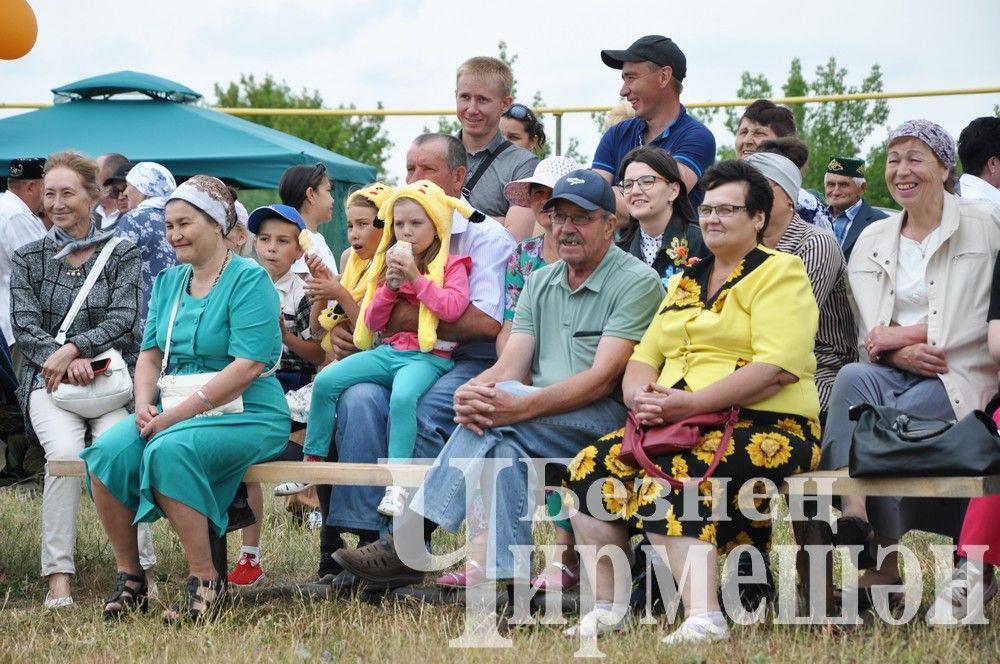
x: 152, y: 179
x: 935, y: 136
x: 209, y: 195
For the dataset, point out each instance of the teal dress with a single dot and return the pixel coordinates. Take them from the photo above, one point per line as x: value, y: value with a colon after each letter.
x: 200, y: 462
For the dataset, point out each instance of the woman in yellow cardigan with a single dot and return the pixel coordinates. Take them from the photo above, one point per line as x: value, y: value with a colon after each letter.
x: 736, y: 329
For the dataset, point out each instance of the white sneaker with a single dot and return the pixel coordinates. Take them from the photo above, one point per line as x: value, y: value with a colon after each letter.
x: 290, y: 488
x: 697, y: 629
x: 394, y: 501
x: 53, y: 603
x: 597, y: 622
x: 951, y: 607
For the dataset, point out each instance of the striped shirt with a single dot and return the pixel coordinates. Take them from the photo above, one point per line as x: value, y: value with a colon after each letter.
x: 836, y: 340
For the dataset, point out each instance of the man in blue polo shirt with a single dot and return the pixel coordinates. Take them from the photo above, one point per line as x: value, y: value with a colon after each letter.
x: 652, y: 70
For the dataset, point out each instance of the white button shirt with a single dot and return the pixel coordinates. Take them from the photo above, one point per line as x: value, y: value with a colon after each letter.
x: 18, y: 227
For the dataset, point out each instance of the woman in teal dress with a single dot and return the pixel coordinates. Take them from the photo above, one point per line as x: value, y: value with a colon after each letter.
x: 172, y: 462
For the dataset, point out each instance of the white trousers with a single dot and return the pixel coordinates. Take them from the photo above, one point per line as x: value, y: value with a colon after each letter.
x: 62, y: 435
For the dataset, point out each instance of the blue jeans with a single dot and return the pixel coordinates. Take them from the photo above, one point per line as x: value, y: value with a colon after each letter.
x: 516, y: 492
x: 362, y: 425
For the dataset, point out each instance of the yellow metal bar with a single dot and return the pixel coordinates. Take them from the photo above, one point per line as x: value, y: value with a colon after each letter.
x: 559, y: 110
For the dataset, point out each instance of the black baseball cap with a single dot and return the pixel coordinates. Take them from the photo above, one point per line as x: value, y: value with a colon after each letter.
x: 120, y: 174
x: 657, y: 49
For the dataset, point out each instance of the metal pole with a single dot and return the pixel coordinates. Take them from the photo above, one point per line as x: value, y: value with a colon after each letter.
x: 558, y: 133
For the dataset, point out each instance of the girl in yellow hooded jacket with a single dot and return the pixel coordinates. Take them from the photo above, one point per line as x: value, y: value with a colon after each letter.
x: 408, y: 361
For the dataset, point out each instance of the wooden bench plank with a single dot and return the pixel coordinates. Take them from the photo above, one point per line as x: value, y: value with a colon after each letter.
x: 357, y: 474
x: 374, y: 474
x: 914, y: 487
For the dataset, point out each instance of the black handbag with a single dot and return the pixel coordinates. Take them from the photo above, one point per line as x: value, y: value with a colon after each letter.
x: 887, y: 441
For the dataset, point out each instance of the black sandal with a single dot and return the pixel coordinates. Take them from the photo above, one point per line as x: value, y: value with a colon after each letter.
x: 185, y: 609
x: 128, y: 598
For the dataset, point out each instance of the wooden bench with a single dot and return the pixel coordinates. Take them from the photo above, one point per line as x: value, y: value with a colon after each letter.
x: 373, y: 474
x: 357, y: 474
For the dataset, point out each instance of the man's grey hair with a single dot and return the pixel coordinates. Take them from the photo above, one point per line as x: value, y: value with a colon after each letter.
x: 858, y: 182
x: 455, y: 154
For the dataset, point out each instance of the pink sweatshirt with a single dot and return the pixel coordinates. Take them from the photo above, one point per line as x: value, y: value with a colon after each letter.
x: 448, y: 302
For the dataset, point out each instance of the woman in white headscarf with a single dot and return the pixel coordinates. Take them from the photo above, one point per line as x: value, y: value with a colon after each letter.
x: 148, y: 185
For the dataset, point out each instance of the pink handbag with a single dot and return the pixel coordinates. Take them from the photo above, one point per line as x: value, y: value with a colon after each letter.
x: 642, y: 442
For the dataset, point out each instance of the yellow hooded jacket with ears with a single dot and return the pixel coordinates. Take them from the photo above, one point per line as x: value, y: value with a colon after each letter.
x: 353, y: 278
x: 439, y: 208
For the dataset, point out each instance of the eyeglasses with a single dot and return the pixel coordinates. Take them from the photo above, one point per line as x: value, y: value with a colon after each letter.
x: 724, y: 211
x: 116, y: 190
x: 521, y: 112
x: 578, y: 220
x: 644, y: 182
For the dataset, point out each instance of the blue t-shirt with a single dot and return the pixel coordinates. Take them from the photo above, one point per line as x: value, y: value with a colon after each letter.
x: 687, y: 140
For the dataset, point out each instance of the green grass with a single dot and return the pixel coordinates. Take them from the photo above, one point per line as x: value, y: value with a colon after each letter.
x: 293, y: 628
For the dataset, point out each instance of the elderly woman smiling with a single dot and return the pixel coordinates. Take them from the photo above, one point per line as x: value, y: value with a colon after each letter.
x: 720, y: 339
x: 220, y: 313
x: 46, y: 278
x: 921, y: 293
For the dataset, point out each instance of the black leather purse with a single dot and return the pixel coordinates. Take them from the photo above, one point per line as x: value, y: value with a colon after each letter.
x: 887, y: 441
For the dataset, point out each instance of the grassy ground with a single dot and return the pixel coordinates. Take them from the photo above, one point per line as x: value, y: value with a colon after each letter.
x: 294, y: 628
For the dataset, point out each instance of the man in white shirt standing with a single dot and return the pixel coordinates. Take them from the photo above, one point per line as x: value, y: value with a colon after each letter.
x: 20, y: 223
x: 979, y: 151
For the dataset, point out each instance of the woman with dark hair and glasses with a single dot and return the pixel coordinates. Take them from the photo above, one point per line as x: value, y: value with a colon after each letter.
x: 720, y: 339
x: 521, y: 126
x: 308, y: 190
x: 662, y: 231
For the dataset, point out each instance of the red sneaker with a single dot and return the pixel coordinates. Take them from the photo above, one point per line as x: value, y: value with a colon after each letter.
x: 247, y: 573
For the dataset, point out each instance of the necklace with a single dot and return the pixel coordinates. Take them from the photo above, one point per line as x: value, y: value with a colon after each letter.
x: 217, y: 277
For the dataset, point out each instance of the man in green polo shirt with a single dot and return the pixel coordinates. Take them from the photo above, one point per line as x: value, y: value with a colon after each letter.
x: 574, y: 329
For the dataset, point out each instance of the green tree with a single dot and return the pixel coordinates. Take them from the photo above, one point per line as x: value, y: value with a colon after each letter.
x: 361, y: 138
x: 827, y: 128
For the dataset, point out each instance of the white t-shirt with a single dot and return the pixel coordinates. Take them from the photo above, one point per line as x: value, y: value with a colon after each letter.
x: 911, y: 270
x: 18, y: 227
x: 978, y: 189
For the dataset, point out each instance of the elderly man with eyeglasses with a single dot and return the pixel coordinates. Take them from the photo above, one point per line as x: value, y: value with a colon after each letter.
x: 576, y: 323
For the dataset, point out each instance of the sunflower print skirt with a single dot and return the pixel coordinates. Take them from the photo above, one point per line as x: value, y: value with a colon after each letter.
x: 764, y: 445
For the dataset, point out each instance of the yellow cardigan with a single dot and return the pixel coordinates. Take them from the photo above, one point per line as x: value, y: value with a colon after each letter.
x: 765, y: 312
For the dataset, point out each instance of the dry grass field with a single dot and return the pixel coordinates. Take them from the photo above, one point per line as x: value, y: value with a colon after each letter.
x: 286, y: 626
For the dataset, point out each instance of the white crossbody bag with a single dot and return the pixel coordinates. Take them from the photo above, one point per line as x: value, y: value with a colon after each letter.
x: 113, y: 388
x: 176, y: 388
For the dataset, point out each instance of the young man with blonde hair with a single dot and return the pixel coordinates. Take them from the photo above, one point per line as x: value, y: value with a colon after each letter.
x: 482, y: 95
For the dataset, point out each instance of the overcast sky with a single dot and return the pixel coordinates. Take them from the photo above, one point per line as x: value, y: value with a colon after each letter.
x: 404, y: 54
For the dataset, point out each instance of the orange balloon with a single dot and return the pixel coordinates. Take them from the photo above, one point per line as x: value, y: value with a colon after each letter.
x: 18, y: 29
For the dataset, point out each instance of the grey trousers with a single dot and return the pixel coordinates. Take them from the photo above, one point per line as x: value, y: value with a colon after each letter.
x: 885, y: 386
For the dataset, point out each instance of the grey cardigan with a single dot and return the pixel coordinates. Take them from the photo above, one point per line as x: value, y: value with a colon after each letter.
x: 42, y: 291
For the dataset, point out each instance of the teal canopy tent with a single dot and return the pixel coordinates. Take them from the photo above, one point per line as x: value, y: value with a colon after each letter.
x: 159, y: 122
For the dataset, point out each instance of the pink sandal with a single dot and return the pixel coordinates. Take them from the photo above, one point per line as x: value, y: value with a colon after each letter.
x: 569, y: 577
x: 470, y: 576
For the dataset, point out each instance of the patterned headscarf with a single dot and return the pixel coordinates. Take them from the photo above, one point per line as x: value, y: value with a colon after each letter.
x: 209, y: 195
x: 152, y: 179
x: 935, y: 136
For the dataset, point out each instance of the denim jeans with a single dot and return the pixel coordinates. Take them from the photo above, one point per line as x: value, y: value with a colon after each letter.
x: 361, y: 435
x: 518, y: 488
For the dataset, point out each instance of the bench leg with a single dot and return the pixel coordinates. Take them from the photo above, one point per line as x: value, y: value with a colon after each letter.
x: 219, y: 552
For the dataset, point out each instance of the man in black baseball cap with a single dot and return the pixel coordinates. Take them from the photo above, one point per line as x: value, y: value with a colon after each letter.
x: 652, y: 70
